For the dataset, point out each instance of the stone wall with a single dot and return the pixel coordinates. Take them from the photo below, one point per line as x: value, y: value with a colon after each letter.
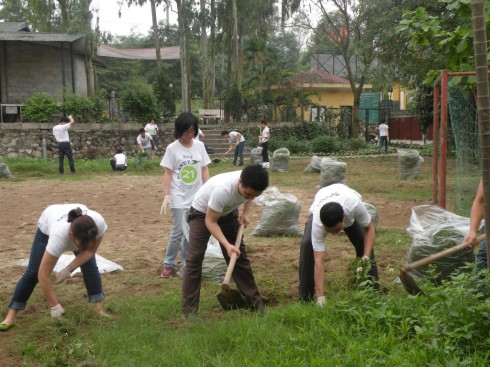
x: 88, y: 140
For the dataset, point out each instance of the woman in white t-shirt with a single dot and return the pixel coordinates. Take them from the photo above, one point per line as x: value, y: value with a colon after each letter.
x: 186, y: 168
x: 62, y: 227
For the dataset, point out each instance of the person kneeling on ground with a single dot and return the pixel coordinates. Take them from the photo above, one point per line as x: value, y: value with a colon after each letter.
x: 214, y: 211
x: 120, y: 161
x: 62, y: 227
x: 335, y: 208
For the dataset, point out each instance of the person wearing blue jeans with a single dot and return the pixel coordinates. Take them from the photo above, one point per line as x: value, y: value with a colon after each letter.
x: 61, y: 228
x: 477, y: 214
x: 237, y: 141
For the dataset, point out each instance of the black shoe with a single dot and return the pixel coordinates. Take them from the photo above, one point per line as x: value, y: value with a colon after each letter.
x: 234, y: 163
x: 241, y: 164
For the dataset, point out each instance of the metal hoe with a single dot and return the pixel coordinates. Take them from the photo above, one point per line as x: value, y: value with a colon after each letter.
x: 409, y: 283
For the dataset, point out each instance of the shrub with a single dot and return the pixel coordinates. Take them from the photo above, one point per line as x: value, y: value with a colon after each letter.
x: 233, y: 103
x: 294, y: 146
x: 139, y: 101
x: 81, y: 108
x: 326, y: 144
x: 356, y: 144
x: 40, y: 108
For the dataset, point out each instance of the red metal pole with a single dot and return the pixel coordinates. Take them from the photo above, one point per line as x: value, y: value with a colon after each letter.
x: 435, y: 143
x: 442, y: 176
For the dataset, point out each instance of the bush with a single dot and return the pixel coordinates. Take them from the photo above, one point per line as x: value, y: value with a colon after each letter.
x: 326, y: 144
x: 81, y: 108
x: 139, y: 101
x: 356, y: 144
x: 294, y: 146
x: 40, y: 108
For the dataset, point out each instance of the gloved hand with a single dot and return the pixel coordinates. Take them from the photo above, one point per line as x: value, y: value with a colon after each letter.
x: 165, y: 205
x: 365, y: 258
x: 320, y: 301
x: 62, y: 275
x: 57, y: 311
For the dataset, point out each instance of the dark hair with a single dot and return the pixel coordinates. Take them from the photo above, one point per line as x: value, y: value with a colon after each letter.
x: 224, y: 132
x: 119, y: 151
x: 64, y: 118
x: 331, y: 214
x: 263, y: 121
x: 255, y: 177
x: 153, y: 119
x: 184, y: 122
x: 83, y: 227
x: 142, y: 130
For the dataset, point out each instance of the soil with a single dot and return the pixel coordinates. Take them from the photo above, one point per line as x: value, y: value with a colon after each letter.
x: 138, y: 234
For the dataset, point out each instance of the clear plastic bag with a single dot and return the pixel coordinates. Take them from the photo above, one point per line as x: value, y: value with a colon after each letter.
x: 409, y: 163
x: 4, y: 171
x: 373, y: 212
x: 434, y: 229
x: 256, y: 156
x: 280, y: 215
x: 314, y: 166
x: 280, y: 160
x: 332, y: 171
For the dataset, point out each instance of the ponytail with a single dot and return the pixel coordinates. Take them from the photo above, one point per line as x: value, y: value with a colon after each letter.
x: 73, y: 214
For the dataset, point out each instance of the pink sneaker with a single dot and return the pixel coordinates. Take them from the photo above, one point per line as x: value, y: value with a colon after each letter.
x: 167, y: 272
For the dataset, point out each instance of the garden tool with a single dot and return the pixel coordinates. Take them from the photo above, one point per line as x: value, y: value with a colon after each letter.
x: 231, y: 299
x: 407, y: 280
x: 220, y: 158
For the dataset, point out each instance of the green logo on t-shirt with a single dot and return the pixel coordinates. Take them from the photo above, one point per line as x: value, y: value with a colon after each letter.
x: 188, y: 174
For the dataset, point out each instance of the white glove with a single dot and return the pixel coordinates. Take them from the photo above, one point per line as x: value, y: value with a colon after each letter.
x: 320, y: 301
x: 57, y: 311
x: 62, y: 275
x: 165, y: 205
x: 365, y: 258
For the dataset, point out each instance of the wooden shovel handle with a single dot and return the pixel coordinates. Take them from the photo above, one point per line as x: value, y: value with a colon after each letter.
x: 233, y: 257
x: 446, y: 252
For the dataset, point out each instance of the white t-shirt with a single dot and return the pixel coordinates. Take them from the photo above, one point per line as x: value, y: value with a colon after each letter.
x: 199, y: 134
x: 265, y: 134
x: 60, y: 132
x: 146, y: 141
x: 383, y: 130
x: 53, y: 222
x: 151, y: 128
x: 186, y: 164
x: 233, y: 137
x: 220, y: 193
x: 120, y: 159
x: 351, y: 201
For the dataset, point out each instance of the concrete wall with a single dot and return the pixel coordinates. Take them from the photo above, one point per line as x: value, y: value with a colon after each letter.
x: 88, y: 140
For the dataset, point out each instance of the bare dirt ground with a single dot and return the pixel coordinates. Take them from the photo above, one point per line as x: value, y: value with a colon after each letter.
x: 137, y: 236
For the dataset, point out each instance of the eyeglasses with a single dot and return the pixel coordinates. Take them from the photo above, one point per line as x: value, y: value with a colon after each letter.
x: 191, y: 131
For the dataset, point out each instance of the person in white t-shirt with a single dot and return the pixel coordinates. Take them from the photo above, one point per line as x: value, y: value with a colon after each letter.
x: 200, y: 135
x: 120, y: 161
x: 186, y: 168
x: 62, y: 137
x: 335, y: 208
x: 145, y: 144
x: 152, y: 129
x: 264, y: 140
x: 61, y: 227
x: 214, y: 211
x: 383, y: 136
x: 237, y: 141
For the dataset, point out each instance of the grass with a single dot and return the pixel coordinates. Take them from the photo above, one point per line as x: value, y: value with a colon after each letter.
x: 448, y: 326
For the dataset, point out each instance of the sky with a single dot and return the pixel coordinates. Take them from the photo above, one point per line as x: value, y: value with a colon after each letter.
x: 135, y: 18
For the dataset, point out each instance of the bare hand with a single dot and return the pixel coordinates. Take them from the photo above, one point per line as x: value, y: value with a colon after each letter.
x: 232, y: 250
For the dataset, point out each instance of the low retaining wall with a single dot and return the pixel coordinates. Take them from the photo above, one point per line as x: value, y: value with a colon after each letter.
x: 36, y: 140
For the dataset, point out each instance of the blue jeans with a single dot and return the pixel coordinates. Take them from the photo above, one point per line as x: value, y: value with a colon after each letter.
x: 175, y: 239
x: 239, y: 152
x: 148, y: 155
x: 25, y: 286
x: 383, y: 141
x: 481, y: 258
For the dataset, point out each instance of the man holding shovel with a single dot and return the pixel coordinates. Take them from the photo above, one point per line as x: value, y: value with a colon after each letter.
x: 335, y: 208
x: 214, y: 211
x: 237, y: 141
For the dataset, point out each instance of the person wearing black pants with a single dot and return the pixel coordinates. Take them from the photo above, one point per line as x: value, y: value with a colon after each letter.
x: 335, y: 208
x: 60, y: 133
x: 264, y: 140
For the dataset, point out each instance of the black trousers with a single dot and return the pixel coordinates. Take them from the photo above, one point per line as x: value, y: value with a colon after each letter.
x: 355, y: 233
x: 64, y: 148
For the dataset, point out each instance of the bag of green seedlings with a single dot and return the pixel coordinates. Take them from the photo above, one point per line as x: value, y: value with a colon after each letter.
x: 331, y: 171
x: 4, y: 171
x: 280, y: 214
x: 434, y: 229
x: 280, y: 160
x: 314, y: 166
x: 373, y: 212
x: 256, y: 156
x: 409, y: 163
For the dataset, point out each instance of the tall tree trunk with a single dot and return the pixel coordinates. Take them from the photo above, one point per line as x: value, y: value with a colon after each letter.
x: 185, y: 62
x: 480, y: 51
x: 234, y: 43
x: 155, y: 33
x: 209, y: 77
x: 64, y: 15
x: 89, y: 46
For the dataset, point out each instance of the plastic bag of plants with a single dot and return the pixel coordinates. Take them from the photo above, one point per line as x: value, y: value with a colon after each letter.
x: 331, y: 171
x: 4, y: 171
x: 373, y: 212
x: 314, y: 166
x: 434, y: 229
x: 256, y: 156
x: 280, y: 214
x: 280, y: 160
x: 409, y: 163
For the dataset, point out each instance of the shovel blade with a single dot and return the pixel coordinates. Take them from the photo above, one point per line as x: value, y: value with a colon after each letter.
x: 408, y: 282
x: 230, y: 299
